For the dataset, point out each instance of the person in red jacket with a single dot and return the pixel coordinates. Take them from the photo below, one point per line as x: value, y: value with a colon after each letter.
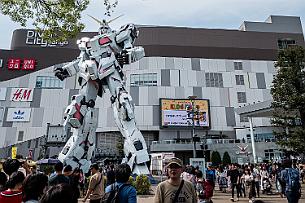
x: 14, y: 193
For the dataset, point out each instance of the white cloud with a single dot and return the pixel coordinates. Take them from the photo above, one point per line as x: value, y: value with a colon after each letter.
x: 225, y: 14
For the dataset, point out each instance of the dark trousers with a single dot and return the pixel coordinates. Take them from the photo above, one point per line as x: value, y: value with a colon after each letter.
x: 292, y: 197
x: 257, y: 189
x: 235, y: 185
x: 95, y: 200
x: 241, y: 190
x: 252, y: 190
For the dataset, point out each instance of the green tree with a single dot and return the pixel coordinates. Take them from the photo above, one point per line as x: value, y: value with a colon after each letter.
x: 226, y: 159
x: 288, y: 94
x: 55, y: 19
x: 216, y: 159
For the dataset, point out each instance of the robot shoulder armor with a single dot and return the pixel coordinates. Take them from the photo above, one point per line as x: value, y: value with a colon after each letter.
x: 126, y: 27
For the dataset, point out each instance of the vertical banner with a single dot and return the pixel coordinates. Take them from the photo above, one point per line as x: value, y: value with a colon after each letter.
x: 2, y: 93
x: 14, y: 152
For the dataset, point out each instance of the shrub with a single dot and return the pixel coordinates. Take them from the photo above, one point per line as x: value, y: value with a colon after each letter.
x: 142, y: 185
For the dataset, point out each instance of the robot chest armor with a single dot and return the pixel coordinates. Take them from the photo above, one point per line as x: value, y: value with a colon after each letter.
x: 102, y: 46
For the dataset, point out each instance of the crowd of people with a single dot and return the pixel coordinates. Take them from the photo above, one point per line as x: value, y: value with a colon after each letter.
x: 243, y: 181
x: 20, y: 183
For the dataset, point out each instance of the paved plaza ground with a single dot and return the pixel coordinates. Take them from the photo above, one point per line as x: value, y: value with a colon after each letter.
x: 225, y: 197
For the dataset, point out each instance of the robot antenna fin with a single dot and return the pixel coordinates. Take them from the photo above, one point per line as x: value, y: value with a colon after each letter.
x: 104, y: 22
x: 114, y: 19
x: 97, y: 20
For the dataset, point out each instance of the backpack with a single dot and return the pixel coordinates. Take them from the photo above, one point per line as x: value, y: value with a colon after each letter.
x: 293, y: 180
x: 113, y: 195
x: 200, y: 190
x: 210, y: 176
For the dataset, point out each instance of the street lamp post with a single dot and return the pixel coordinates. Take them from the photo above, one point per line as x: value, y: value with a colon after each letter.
x: 192, y: 98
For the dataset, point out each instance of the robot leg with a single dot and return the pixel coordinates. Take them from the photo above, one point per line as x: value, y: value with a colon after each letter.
x: 81, y: 117
x: 135, y: 148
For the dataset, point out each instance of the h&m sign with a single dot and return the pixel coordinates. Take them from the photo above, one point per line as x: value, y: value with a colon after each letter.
x: 21, y: 94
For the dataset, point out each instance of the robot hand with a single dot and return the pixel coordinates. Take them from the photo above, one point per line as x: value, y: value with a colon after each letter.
x: 61, y: 73
x: 123, y: 57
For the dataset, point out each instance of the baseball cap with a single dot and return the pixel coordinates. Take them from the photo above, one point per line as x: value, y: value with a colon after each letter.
x: 174, y: 160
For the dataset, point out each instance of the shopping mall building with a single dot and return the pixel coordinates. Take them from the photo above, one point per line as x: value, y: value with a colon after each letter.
x: 228, y: 68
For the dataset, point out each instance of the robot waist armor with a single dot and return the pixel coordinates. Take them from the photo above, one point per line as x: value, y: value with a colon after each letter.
x: 107, y: 66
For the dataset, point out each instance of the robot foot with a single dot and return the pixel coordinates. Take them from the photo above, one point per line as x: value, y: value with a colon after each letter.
x: 140, y: 169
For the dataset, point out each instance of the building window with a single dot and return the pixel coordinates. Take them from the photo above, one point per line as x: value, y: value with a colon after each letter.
x: 213, y: 80
x: 244, y: 119
x: 239, y: 80
x: 238, y: 65
x: 241, y: 97
x: 51, y: 82
x: 20, y: 135
x: 285, y: 43
x: 146, y: 79
x: 29, y: 143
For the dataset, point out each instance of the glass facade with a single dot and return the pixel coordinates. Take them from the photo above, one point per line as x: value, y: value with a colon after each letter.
x: 146, y: 79
x: 214, y: 80
x: 241, y: 97
x: 239, y: 80
x: 51, y: 82
x: 238, y: 65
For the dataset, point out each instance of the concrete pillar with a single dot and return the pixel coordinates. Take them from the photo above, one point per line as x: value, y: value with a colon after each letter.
x: 252, y: 140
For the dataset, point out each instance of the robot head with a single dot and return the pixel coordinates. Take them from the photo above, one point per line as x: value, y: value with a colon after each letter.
x: 104, y: 25
x: 104, y: 28
x: 83, y: 43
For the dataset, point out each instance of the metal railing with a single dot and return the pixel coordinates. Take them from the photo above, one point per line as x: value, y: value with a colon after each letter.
x: 210, y: 141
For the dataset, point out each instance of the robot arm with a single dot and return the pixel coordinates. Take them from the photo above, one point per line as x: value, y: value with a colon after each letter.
x: 67, y: 70
x: 126, y: 37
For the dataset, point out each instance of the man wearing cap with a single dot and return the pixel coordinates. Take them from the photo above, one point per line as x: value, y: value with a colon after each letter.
x: 174, y: 189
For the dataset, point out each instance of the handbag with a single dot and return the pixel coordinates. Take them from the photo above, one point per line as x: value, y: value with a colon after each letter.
x: 178, y: 191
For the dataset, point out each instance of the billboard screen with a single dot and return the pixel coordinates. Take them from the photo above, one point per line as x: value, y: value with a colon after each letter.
x: 178, y: 113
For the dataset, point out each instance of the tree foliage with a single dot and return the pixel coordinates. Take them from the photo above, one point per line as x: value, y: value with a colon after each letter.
x: 142, y: 185
x: 226, y: 159
x: 288, y: 94
x: 55, y: 19
x: 215, y: 159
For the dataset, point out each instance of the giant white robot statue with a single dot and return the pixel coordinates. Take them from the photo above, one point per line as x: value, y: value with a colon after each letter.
x: 100, y: 64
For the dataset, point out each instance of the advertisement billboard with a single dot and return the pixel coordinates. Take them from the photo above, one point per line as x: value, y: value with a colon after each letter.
x: 18, y: 114
x: 21, y: 94
x: 178, y: 113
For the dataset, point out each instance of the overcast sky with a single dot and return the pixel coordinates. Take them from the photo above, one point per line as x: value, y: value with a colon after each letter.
x: 224, y: 14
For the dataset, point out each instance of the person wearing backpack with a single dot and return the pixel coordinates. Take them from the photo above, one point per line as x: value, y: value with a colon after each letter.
x: 291, y: 177
x: 121, y: 190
